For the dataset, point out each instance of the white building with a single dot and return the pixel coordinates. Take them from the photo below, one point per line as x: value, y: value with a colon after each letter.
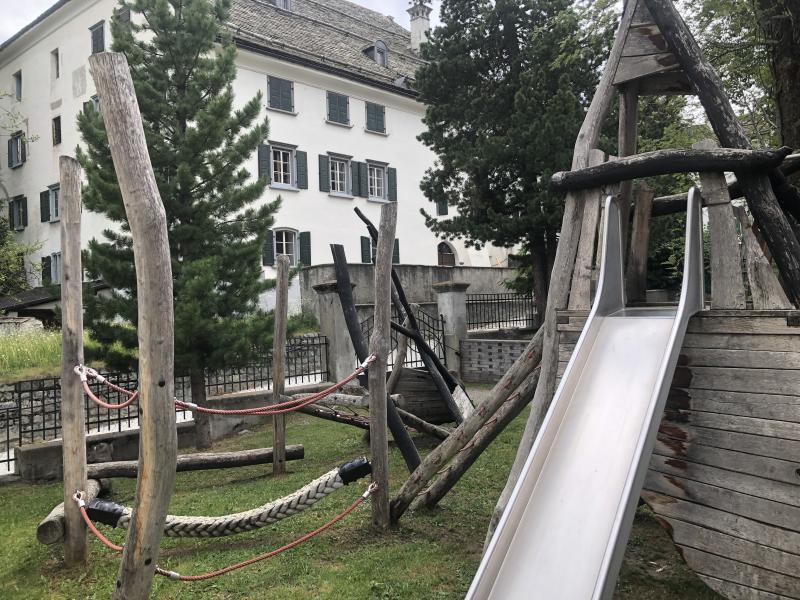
x: 337, y: 79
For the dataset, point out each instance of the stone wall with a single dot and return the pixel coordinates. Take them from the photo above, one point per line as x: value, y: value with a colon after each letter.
x: 12, y: 325
x: 486, y: 361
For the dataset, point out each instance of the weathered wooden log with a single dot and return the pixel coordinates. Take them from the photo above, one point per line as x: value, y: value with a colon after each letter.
x: 636, y: 269
x: 472, y: 451
x: 664, y: 162
x: 399, y: 361
x: 52, y: 527
x: 627, y: 146
x: 279, y: 362
x: 380, y: 346
x: 329, y: 413
x: 676, y: 203
x: 767, y: 212
x: 461, y: 435
x: 345, y: 289
x: 76, y: 543
x: 414, y: 421
x: 197, y: 462
x: 158, y: 438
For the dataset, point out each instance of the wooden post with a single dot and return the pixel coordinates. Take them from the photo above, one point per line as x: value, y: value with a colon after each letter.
x: 158, y: 439
x: 628, y: 128
x: 379, y: 347
x: 279, y: 363
x: 727, y: 287
x: 636, y: 271
x: 770, y: 218
x: 76, y: 548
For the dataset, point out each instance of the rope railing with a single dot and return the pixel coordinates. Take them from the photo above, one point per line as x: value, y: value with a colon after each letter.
x: 86, y: 373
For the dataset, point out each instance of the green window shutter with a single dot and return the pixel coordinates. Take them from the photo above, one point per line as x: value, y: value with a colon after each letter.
x: 273, y: 93
x: 363, y: 181
x: 392, y: 183
x: 396, y: 252
x: 302, y: 169
x: 370, y: 116
x: 305, y: 248
x: 442, y: 208
x: 98, y: 38
x: 355, y: 182
x: 376, y: 119
x: 263, y: 162
x: 268, y: 254
x: 10, y: 151
x: 44, y: 206
x: 287, y: 100
x: 46, y: 275
x: 324, y: 173
x: 366, y: 249
x: 11, y: 221
x: 381, y: 119
x: 24, y: 145
x: 23, y: 210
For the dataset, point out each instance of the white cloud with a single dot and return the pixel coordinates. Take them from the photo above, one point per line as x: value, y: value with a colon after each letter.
x: 18, y: 14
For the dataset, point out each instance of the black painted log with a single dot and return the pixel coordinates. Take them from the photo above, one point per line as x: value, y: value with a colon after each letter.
x: 764, y: 206
x: 664, y: 162
x: 345, y: 288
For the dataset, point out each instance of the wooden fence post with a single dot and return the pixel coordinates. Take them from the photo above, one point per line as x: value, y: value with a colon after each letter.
x: 158, y: 439
x: 636, y: 269
x: 279, y: 363
x: 379, y: 347
x: 73, y: 426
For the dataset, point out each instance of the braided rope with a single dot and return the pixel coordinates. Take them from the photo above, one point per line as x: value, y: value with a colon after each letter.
x: 208, y: 527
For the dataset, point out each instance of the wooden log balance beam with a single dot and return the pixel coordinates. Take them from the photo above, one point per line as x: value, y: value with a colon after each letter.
x: 665, y: 162
x: 53, y: 527
x: 198, y: 462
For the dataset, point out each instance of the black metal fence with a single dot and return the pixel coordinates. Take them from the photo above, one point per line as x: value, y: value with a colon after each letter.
x: 499, y: 311
x: 431, y: 328
x: 33, y: 413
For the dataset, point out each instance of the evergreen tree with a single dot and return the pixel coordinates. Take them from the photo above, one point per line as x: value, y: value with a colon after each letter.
x: 182, y: 64
x: 506, y: 88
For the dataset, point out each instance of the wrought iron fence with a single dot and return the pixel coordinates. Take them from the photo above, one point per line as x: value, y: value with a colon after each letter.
x: 431, y: 329
x: 499, y: 311
x: 33, y: 413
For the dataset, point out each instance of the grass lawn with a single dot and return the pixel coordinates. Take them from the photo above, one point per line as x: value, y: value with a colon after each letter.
x: 431, y: 555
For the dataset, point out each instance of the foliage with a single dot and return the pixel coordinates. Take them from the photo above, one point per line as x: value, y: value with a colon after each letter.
x: 197, y: 142
x: 31, y: 354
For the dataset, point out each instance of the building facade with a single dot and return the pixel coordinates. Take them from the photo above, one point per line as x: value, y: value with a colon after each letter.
x: 337, y: 83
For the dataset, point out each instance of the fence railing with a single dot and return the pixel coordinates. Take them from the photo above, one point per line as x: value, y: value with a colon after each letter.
x: 33, y: 412
x: 499, y: 311
x: 431, y: 329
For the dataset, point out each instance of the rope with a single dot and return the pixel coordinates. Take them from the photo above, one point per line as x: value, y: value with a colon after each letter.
x: 178, y: 577
x: 85, y: 373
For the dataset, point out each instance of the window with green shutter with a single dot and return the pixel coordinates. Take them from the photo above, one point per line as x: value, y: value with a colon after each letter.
x: 18, y: 213
x: 46, y: 270
x: 324, y: 173
x: 44, y: 206
x: 301, y: 158
x: 366, y: 250
x: 442, y: 208
x: 56, y: 130
x: 304, y: 241
x: 268, y: 253
x: 280, y: 94
x: 264, y: 162
x: 98, y: 37
x: 338, y: 108
x: 376, y: 118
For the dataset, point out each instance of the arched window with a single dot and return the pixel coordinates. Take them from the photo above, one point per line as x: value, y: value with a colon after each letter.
x: 447, y: 256
x: 378, y: 52
x: 286, y: 244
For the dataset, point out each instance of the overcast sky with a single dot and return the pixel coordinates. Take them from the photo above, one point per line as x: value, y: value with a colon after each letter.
x: 15, y: 15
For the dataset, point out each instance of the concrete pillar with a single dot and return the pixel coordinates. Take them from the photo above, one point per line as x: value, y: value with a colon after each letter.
x: 341, y: 354
x: 451, y: 299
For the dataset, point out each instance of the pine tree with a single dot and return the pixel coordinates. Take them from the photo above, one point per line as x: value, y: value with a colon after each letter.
x: 182, y: 65
x: 506, y: 89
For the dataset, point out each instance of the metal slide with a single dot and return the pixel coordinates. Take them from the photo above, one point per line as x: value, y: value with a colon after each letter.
x: 564, y: 531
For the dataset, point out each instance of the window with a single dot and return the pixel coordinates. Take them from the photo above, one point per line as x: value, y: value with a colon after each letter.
x: 378, y: 52
x: 98, y: 39
x: 447, y: 258
x: 16, y: 150
x: 377, y: 181
x: 55, y: 67
x: 376, y: 118
x: 52, y: 197
x: 442, y: 208
x: 286, y: 244
x: 18, y: 213
x: 338, y: 108
x: 51, y: 268
x: 369, y: 250
x: 340, y: 169
x: 123, y: 14
x: 17, y: 83
x: 282, y: 167
x: 280, y: 94
x: 284, y: 4
x: 56, y: 131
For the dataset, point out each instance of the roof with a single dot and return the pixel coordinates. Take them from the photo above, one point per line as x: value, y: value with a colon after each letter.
x: 39, y: 295
x: 327, y: 35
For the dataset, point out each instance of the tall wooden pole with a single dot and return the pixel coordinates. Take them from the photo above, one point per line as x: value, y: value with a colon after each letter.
x: 148, y: 224
x: 628, y: 127
x: 76, y: 548
x: 279, y: 364
x: 380, y: 346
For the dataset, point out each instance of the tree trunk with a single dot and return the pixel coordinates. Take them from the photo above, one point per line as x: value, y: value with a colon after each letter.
x: 202, y: 423
x: 539, y: 275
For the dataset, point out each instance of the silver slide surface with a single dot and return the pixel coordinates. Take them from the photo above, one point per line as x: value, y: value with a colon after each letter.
x: 564, y: 531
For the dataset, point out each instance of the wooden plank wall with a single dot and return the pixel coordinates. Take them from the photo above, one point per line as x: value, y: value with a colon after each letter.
x: 724, y: 478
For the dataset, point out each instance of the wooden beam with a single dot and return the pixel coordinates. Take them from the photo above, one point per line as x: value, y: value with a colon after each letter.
x: 627, y: 135
x: 782, y: 241
x: 158, y: 439
x: 380, y: 346
x: 76, y: 548
x: 198, y: 462
x: 52, y: 528
x: 636, y: 271
x: 279, y: 362
x: 664, y: 162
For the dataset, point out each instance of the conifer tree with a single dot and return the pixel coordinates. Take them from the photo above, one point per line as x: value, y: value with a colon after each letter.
x: 182, y: 64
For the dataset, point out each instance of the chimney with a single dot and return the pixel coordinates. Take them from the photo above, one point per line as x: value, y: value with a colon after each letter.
x: 420, y: 22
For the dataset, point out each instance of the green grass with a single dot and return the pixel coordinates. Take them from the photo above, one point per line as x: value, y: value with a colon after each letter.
x: 431, y: 555
x: 30, y: 354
